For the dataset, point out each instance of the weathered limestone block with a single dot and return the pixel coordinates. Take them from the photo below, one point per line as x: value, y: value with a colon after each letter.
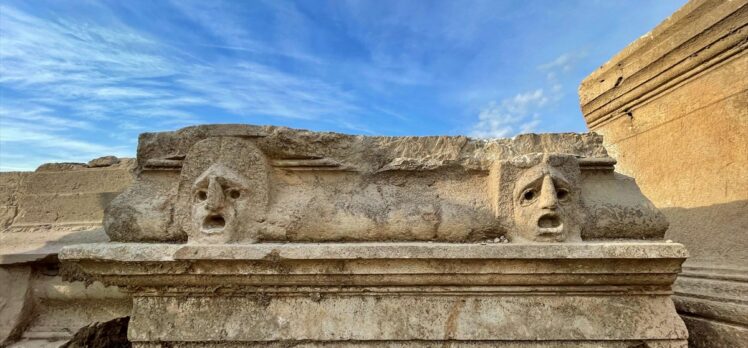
x: 406, y: 293
x: 104, y: 161
x: 56, y: 194
x: 59, y: 204
x: 628, y: 216
x: 247, y: 184
x: 15, y: 302
x: 673, y: 108
x: 281, y: 237
x: 9, y: 183
x: 143, y: 212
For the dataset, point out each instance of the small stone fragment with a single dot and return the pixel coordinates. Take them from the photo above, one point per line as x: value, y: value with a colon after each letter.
x: 60, y: 167
x: 104, y: 161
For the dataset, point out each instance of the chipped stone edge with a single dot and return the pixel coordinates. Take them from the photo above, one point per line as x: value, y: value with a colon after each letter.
x: 145, y: 252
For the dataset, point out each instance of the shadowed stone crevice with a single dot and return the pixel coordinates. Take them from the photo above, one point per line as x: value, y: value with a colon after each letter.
x: 110, y: 334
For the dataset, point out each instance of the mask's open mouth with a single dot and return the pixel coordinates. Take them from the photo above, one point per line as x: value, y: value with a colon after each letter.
x: 214, y: 223
x: 550, y: 224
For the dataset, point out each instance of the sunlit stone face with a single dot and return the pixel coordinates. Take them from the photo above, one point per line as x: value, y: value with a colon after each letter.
x: 223, y: 192
x: 545, y: 205
x: 220, y: 201
x: 538, y: 197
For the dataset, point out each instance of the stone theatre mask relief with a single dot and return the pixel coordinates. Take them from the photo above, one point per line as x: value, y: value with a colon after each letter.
x: 540, y: 198
x: 220, y: 200
x: 223, y: 191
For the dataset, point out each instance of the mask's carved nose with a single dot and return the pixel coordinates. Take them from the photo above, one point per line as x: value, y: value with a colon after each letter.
x: 548, y: 199
x: 215, y: 195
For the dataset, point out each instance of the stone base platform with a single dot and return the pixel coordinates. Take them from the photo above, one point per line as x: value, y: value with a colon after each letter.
x: 611, y: 294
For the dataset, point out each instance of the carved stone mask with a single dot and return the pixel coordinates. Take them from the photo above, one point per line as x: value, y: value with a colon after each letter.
x: 544, y: 205
x: 223, y: 191
x: 220, y: 200
x: 540, y: 198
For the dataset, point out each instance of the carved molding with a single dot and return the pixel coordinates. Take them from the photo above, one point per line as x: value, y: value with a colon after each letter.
x: 696, y: 38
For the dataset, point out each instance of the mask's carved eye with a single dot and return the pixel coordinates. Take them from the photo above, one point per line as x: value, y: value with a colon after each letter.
x: 234, y: 194
x: 201, y: 195
x: 562, y: 194
x: 529, y: 195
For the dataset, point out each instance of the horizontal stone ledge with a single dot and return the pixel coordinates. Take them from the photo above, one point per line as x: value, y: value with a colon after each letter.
x: 357, y: 285
x: 145, y: 252
x: 319, y: 292
x: 585, y: 267
x: 21, y: 244
x: 423, y: 344
x: 728, y: 312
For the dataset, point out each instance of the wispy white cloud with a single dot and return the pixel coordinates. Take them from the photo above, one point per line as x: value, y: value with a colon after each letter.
x: 48, y: 146
x: 11, y: 134
x: 261, y: 90
x: 93, y: 74
x: 74, y: 74
x: 513, y: 115
x: 555, y: 69
x: 39, y: 117
x: 524, y: 112
x: 85, y: 68
x: 34, y: 134
x: 230, y: 31
x: 563, y: 62
x: 93, y: 68
x: 40, y: 51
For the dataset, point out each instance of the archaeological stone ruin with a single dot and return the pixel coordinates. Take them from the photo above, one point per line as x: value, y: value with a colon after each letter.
x: 262, y: 236
x: 234, y: 235
x: 672, y: 108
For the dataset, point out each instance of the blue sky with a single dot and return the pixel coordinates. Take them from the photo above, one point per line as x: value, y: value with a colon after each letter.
x: 81, y: 79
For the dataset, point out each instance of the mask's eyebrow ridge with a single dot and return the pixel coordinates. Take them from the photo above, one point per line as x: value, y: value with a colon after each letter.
x: 532, y: 182
x: 202, y: 182
x: 560, y: 179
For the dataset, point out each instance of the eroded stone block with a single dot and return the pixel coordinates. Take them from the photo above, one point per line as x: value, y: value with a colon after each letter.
x: 248, y: 184
x: 283, y: 237
x: 552, y: 294
x: 15, y: 301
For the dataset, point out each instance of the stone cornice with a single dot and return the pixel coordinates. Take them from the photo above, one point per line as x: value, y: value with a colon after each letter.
x: 153, y: 252
x: 606, y: 294
x: 714, y: 290
x: 642, y: 267
x: 697, y: 37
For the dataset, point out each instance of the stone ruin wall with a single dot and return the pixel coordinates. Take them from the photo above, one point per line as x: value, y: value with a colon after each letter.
x: 334, y: 239
x: 42, y: 211
x: 673, y: 110
x: 62, y: 194
x: 326, y: 187
x: 308, y: 189
x: 645, y: 100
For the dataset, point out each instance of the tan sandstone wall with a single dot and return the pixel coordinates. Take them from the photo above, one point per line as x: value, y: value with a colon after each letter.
x: 673, y: 110
x: 59, y: 204
x: 61, y: 194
